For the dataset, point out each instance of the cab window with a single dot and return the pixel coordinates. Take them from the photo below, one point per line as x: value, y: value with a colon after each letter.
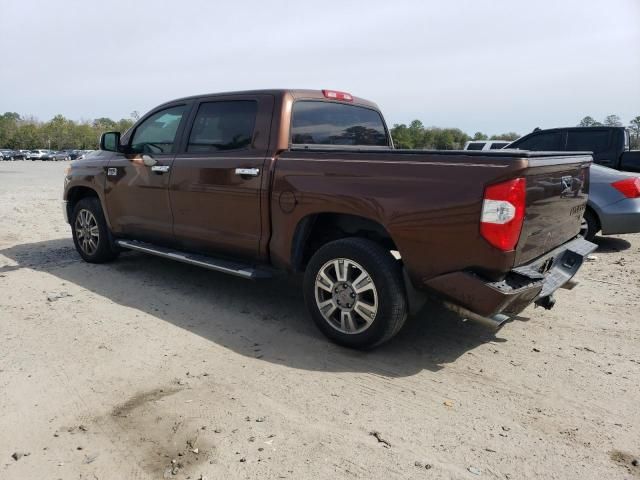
x: 225, y: 125
x: 596, y: 141
x: 157, y: 134
x: 330, y: 123
x: 548, y: 141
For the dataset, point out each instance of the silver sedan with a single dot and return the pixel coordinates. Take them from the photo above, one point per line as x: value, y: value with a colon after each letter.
x: 614, y: 203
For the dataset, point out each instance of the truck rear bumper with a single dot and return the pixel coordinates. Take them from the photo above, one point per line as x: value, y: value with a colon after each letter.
x: 468, y: 293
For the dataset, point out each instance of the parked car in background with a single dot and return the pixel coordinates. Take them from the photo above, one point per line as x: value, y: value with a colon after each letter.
x: 85, y: 153
x: 74, y: 154
x: 249, y: 183
x: 6, y: 154
x: 609, y: 145
x: 38, y: 154
x: 62, y: 155
x: 614, y: 203
x: 22, y: 154
x: 486, y: 144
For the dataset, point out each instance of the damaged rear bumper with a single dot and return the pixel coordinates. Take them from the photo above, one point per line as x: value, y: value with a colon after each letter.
x: 473, y: 297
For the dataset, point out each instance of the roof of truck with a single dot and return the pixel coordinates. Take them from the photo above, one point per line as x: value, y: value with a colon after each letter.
x: 297, y: 94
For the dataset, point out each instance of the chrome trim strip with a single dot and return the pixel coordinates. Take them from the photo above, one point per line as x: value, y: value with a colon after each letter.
x: 395, y: 162
x: 184, y: 259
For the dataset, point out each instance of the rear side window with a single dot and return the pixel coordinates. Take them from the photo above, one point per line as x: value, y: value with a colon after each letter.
x: 223, y: 126
x: 550, y: 141
x: 498, y: 146
x: 328, y: 123
x: 475, y: 146
x: 595, y: 141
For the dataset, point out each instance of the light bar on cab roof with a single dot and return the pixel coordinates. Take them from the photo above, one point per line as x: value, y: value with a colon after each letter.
x: 335, y: 95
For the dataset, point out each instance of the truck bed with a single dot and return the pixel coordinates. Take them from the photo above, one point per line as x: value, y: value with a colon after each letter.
x: 430, y: 201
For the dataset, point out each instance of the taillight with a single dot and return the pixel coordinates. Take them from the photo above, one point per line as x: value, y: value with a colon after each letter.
x: 334, y: 95
x: 629, y: 187
x: 503, y: 213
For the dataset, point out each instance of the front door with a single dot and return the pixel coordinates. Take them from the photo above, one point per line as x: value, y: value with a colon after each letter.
x: 217, y: 177
x: 137, y: 181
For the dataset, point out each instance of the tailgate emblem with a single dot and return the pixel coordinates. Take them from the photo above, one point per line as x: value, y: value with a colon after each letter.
x: 571, y: 186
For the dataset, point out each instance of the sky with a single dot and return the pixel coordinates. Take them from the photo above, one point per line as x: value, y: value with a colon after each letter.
x: 490, y: 66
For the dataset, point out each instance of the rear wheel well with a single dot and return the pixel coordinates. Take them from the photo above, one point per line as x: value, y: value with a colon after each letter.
x: 75, y: 195
x: 316, y: 230
x: 595, y: 216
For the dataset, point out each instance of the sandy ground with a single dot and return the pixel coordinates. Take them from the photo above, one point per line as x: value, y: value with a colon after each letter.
x: 148, y: 369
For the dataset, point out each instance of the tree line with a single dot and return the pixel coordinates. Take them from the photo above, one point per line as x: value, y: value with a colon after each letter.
x: 416, y: 135
x: 60, y: 133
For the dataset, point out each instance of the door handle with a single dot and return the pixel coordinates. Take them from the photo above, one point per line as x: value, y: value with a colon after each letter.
x: 160, y: 168
x: 248, y: 172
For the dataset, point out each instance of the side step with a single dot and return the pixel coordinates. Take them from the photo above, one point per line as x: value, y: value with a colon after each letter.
x: 225, y: 266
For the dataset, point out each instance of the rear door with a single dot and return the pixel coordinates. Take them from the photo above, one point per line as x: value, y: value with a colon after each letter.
x: 216, y: 178
x: 600, y: 142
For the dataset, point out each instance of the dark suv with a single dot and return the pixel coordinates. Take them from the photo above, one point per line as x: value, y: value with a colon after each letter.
x: 609, y: 145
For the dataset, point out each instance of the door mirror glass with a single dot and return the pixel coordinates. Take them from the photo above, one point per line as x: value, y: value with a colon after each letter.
x: 110, y: 141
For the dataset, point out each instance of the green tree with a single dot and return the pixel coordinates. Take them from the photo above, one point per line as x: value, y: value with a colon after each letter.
x: 588, y: 122
x: 480, y: 136
x: 612, y: 121
x: 510, y: 136
x: 634, y: 128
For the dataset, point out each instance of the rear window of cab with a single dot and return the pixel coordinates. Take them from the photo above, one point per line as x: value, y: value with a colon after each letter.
x: 331, y: 123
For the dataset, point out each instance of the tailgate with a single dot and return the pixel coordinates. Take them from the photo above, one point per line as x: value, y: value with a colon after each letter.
x: 557, y: 188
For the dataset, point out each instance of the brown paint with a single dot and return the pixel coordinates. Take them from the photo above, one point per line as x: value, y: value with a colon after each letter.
x: 429, y: 202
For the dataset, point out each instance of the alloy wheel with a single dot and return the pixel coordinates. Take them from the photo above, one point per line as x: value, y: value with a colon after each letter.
x: 87, y: 232
x: 346, y: 296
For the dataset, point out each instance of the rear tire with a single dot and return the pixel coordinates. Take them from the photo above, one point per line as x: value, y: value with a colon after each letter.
x: 91, y: 235
x: 590, y: 226
x: 354, y: 291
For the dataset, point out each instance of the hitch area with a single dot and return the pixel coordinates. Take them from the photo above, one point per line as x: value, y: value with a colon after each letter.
x: 546, y: 302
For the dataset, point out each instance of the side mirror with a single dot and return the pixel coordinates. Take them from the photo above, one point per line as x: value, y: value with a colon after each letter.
x: 110, y: 141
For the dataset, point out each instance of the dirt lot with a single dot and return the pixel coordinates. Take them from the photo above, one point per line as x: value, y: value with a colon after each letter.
x: 146, y: 369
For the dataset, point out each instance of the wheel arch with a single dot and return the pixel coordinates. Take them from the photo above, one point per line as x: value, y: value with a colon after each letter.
x: 74, y: 194
x: 317, y: 229
x: 595, y: 212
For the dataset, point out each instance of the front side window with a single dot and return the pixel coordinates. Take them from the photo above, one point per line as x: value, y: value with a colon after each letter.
x: 328, y: 123
x: 595, y: 141
x: 475, y: 146
x: 226, y: 125
x: 157, y: 134
x: 551, y: 141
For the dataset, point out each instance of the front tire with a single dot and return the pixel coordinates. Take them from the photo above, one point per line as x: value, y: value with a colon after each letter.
x: 355, y: 293
x: 90, y: 232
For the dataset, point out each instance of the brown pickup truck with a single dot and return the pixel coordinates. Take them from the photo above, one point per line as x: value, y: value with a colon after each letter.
x: 251, y: 183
